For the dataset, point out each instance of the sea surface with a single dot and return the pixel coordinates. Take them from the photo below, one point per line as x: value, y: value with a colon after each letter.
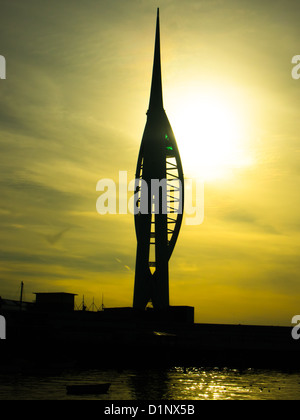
x: 162, y: 384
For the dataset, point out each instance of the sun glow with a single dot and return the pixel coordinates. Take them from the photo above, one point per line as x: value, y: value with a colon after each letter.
x: 211, y: 135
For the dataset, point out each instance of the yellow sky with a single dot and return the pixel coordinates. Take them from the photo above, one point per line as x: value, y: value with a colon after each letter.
x: 72, y: 111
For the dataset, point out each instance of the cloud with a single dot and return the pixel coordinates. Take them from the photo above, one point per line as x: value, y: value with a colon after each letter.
x: 53, y: 239
x: 245, y: 217
x: 73, y: 111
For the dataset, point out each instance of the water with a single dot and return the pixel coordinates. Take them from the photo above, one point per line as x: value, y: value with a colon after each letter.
x: 167, y: 384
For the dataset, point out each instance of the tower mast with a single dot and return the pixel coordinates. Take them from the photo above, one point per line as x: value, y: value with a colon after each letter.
x: 160, y: 190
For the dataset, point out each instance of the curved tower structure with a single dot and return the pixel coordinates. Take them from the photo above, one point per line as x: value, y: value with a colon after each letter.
x: 160, y: 192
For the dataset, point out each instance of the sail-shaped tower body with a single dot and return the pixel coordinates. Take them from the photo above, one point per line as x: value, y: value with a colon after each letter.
x: 160, y: 192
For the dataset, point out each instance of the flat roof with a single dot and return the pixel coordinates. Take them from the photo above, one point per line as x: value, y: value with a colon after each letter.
x: 54, y: 293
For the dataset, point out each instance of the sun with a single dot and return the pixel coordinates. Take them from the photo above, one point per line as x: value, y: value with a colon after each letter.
x: 211, y: 134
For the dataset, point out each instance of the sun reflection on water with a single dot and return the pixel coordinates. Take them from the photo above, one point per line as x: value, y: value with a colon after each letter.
x: 216, y: 384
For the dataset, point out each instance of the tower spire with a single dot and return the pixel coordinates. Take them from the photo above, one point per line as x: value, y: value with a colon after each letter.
x: 158, y: 214
x: 156, y: 97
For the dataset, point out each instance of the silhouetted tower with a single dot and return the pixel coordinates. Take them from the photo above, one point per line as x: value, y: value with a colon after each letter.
x: 159, y: 211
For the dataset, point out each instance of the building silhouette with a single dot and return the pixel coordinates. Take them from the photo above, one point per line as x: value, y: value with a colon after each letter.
x: 160, y: 192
